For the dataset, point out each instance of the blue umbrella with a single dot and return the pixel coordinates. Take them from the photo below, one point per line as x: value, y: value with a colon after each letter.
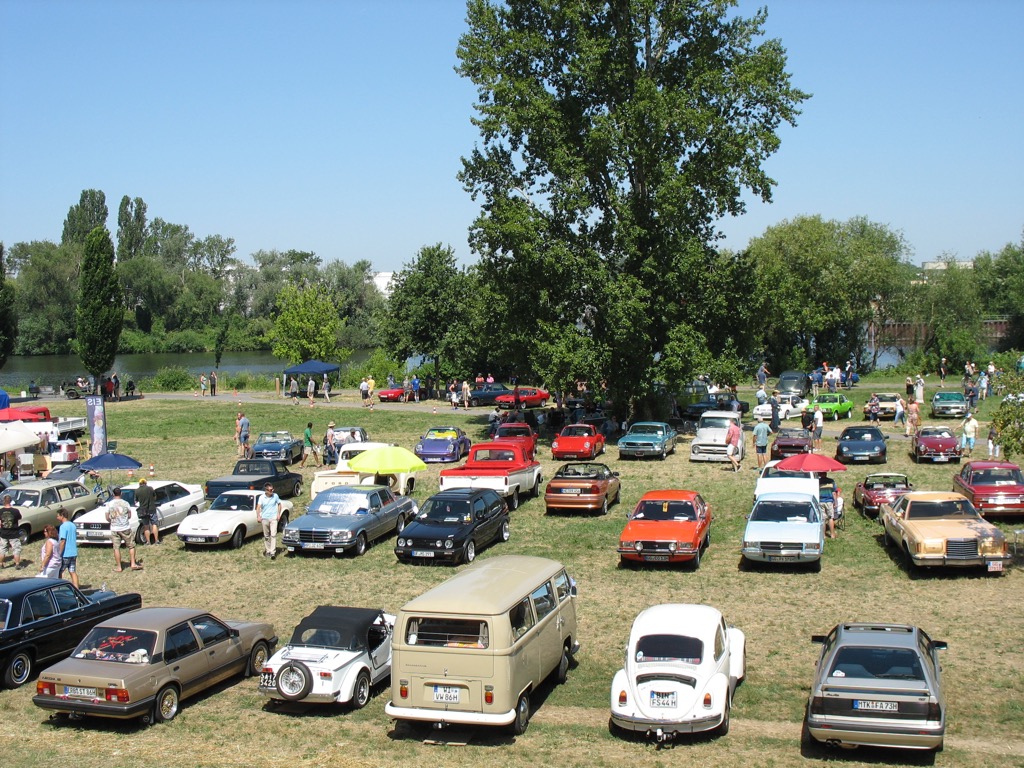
x: 109, y: 461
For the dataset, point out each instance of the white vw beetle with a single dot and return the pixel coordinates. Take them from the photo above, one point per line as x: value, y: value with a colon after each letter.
x: 232, y: 517
x: 683, y: 663
x: 335, y: 654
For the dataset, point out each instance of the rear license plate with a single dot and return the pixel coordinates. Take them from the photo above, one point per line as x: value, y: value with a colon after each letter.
x: 663, y: 699
x: 656, y: 558
x: 88, y: 693
x: 313, y: 545
x: 995, y: 565
x: 422, y: 553
x: 876, y: 706
x: 446, y: 694
x: 195, y: 539
x: 268, y: 680
x: 572, y: 490
x: 940, y: 459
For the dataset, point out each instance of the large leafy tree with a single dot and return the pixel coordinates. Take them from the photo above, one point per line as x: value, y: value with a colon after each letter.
x: 45, y: 270
x: 90, y: 212
x: 1000, y: 280
x: 131, y: 228
x: 613, y: 136
x: 8, y: 316
x: 306, y: 326
x: 100, y: 313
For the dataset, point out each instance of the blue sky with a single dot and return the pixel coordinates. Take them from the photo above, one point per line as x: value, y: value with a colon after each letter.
x: 337, y: 126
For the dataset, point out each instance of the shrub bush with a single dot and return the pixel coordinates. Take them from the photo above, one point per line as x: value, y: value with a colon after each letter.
x: 175, y: 378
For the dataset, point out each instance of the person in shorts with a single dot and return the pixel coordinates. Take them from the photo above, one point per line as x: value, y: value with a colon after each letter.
x: 119, y: 515
x: 67, y: 544
x: 145, y: 498
x: 243, y: 435
x: 819, y: 427
x: 10, y: 536
x: 761, y: 434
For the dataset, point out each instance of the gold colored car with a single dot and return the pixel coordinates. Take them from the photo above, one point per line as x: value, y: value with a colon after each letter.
x: 943, y: 529
x: 142, y: 663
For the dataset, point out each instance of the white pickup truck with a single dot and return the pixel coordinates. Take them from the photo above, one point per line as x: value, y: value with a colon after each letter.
x: 342, y: 474
x: 502, y: 467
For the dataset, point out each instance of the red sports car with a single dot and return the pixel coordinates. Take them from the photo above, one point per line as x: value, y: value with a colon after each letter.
x: 994, y: 487
x: 529, y: 397
x: 394, y: 395
x: 578, y: 441
x: 878, y: 489
x: 666, y: 527
x: 935, y: 444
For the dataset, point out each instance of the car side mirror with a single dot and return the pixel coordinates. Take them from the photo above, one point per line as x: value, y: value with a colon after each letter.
x: 818, y: 638
x: 940, y: 645
x: 233, y: 632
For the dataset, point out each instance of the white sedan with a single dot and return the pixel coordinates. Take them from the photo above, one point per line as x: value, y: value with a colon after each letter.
x: 174, y: 502
x: 683, y: 663
x: 232, y: 517
x: 335, y: 655
x: 785, y: 528
x: 790, y: 407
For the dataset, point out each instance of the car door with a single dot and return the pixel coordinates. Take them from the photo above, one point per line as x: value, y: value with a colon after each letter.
x: 703, y: 519
x: 379, y: 644
x: 223, y: 651
x: 893, y: 522
x: 545, y: 605
x: 178, y: 504
x: 77, y: 614
x: 483, y: 521
x: 384, y: 508
x: 40, y: 626
x: 183, y: 659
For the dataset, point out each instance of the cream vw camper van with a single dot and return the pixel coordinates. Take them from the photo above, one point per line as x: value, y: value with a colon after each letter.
x: 472, y: 649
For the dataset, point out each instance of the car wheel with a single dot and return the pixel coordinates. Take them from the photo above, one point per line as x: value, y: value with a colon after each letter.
x: 664, y: 453
x: 167, y: 703
x: 513, y: 500
x: 257, y: 658
x: 474, y: 402
x: 835, y: 415
x: 617, y: 492
x: 563, y: 665
x: 503, y: 532
x: 723, y: 728
x: 816, y: 566
x: 696, y: 558
x: 522, y: 720
x: 604, y: 506
x: 18, y: 669
x: 282, y: 521
x: 360, y: 547
x: 140, y: 535
x: 238, y: 537
x: 297, y: 488
x: 24, y: 534
x: 294, y: 681
x: 400, y: 525
x: 469, y: 554
x: 361, y: 693
x: 535, y: 491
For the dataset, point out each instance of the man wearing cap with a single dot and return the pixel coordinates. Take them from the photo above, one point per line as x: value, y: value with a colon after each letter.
x: 330, y: 450
x: 970, y: 427
x: 146, y: 499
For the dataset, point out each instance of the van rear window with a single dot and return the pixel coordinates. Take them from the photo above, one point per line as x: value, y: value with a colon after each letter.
x: 447, y: 633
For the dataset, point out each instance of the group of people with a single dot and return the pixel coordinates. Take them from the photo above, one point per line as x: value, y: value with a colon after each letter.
x: 329, y: 446
x: 325, y: 389
x: 208, y: 384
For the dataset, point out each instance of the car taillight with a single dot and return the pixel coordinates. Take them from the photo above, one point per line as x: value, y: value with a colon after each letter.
x: 622, y: 698
x: 707, y: 701
x: 817, y: 705
x: 594, y: 490
x: 934, y: 712
x: 45, y: 689
x: 119, y: 695
x: 267, y: 670
x: 488, y: 694
x: 403, y: 689
x: 326, y: 675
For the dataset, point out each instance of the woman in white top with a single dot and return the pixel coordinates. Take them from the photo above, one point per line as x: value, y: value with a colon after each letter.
x: 49, y: 557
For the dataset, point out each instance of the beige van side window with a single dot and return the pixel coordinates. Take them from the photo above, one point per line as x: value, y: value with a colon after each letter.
x: 521, y: 618
x: 447, y: 633
x: 562, y: 586
x: 543, y: 600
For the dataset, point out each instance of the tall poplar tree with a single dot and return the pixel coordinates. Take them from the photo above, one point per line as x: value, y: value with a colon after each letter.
x: 8, y: 316
x: 100, y: 312
x: 131, y: 228
x: 91, y: 212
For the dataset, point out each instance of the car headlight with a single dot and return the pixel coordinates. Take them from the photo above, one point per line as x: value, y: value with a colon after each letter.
x: 451, y: 448
x: 401, y: 542
x: 341, y: 535
x: 751, y: 544
x: 993, y: 545
x: 672, y: 546
x: 290, y: 534
x: 931, y: 546
x: 419, y: 447
x: 686, y: 547
x: 586, y: 444
x: 876, y: 449
x: 554, y: 445
x: 626, y: 544
x: 813, y: 547
x: 638, y: 545
x: 282, y: 454
x: 448, y: 544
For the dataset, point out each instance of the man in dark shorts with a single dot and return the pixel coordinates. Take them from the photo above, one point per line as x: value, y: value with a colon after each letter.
x: 146, y: 499
x: 10, y: 536
x: 68, y: 544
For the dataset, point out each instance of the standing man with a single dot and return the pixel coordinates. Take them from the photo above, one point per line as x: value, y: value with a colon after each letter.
x: 819, y: 426
x: 415, y: 387
x: 67, y: 545
x: 763, y: 373
x: 270, y: 512
x: 10, y: 536
x: 773, y: 403
x: 761, y: 433
x: 119, y: 515
x: 733, y: 438
x: 238, y: 439
x: 307, y: 444
x: 364, y: 392
x: 293, y: 390
x: 874, y: 406
x: 943, y: 372
x: 970, y: 427
x: 325, y: 387
x: 311, y: 390
x: 243, y: 434
x: 330, y: 451
x: 213, y: 383
x: 370, y: 386
x: 146, y: 499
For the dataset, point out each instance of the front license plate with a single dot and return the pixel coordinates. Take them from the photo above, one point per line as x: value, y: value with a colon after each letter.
x: 313, y: 545
x: 422, y: 553
x: 97, y: 534
x: 995, y: 565
x: 195, y: 539
x: 860, y: 458
x: 572, y: 490
x: 656, y: 558
x: 88, y: 693
x: 446, y: 694
x: 940, y: 459
x: 663, y: 698
x: 268, y: 680
x: 780, y: 558
x: 876, y: 706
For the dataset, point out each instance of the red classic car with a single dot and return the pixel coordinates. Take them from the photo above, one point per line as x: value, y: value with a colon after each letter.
x: 791, y: 442
x: 935, y: 444
x: 578, y: 441
x: 993, y: 487
x: 393, y: 395
x: 529, y: 397
x: 584, y: 486
x: 878, y: 489
x: 520, y: 433
x: 666, y: 527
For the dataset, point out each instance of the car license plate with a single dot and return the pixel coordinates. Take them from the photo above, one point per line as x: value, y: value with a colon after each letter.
x: 572, y: 490
x: 195, y: 539
x: 446, y: 694
x: 88, y: 693
x: 995, y: 565
x: 96, y: 534
x: 313, y: 545
x: 268, y: 680
x: 876, y: 706
x: 663, y: 698
x: 656, y: 558
x: 780, y: 558
x: 422, y: 553
x: 860, y: 458
x: 940, y: 459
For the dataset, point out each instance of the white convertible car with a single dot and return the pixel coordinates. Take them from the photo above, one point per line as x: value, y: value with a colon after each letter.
x: 174, y: 502
x: 683, y: 663
x: 335, y: 654
x: 790, y: 407
x: 232, y: 516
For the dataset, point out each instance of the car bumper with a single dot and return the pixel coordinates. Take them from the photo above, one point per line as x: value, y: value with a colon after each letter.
x: 655, y: 557
x: 938, y: 456
x: 992, y: 562
x: 447, y: 716
x: 317, y: 546
x: 920, y: 737
x: 410, y: 555
x: 861, y: 458
x: 571, y: 501
x: 438, y: 458
x: 202, y: 539
x: 568, y: 455
x: 94, y: 537
x: 646, y: 725
x: 709, y: 453
x: 781, y: 556
x: 97, y: 709
x: 313, y: 697
x: 949, y: 412
x: 640, y: 452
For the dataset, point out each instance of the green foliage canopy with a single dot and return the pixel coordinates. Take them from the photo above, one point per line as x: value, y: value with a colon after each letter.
x: 100, y: 313
x: 306, y: 326
x: 8, y: 316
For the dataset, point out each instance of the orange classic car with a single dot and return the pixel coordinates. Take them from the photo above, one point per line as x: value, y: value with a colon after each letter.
x: 666, y: 527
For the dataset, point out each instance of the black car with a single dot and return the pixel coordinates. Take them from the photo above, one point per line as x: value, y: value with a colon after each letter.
x: 42, y: 620
x: 486, y: 394
x: 861, y: 445
x: 793, y: 383
x: 719, y: 401
x: 452, y: 525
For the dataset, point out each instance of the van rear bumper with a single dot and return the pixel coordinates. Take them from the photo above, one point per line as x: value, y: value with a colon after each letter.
x: 446, y: 716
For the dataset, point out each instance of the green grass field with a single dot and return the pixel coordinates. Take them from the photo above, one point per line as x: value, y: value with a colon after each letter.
x: 778, y: 609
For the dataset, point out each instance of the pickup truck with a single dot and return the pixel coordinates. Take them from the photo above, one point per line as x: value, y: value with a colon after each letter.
x: 507, y: 468
x: 518, y: 432
x: 253, y: 474
x: 401, y: 484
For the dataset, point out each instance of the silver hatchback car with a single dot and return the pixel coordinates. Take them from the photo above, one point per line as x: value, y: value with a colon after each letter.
x: 878, y: 685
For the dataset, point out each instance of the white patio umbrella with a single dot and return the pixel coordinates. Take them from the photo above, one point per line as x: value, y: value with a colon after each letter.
x: 15, y: 435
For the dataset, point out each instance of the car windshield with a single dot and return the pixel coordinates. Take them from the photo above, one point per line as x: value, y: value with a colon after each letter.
x: 776, y: 473
x: 128, y: 496
x: 440, y: 434
x: 941, y: 510
x: 861, y: 434
x: 783, y: 512
x: 583, y: 471
x: 888, y: 398
x: 127, y: 646
x: 793, y: 434
x: 679, y: 648
x: 715, y: 422
x: 327, y: 637
x: 252, y: 468
x: 879, y: 483
x: 1001, y: 476
x: 492, y: 454
x: 826, y: 399
x: 937, y: 432
x: 645, y: 429
x: 22, y: 498
x: 339, y: 505
x: 233, y: 502
x: 665, y: 510
x: 267, y: 437
x: 950, y: 396
x: 445, y: 512
x: 513, y: 432
x: 878, y: 663
x: 578, y: 431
